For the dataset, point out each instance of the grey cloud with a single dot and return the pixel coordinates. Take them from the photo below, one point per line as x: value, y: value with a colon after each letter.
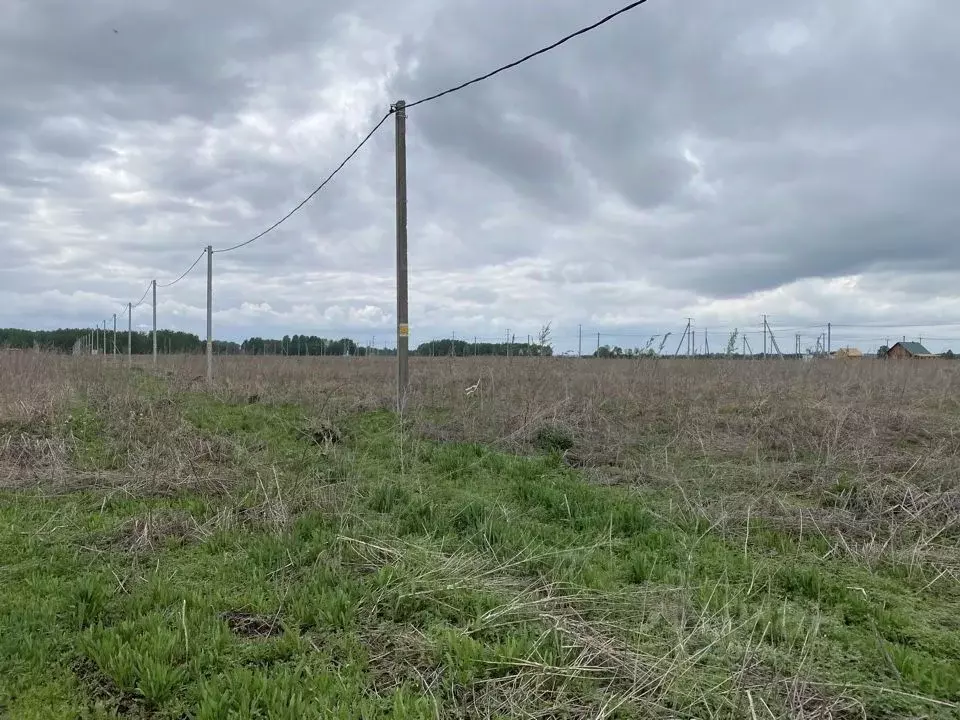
x: 875, y: 84
x: 688, y: 156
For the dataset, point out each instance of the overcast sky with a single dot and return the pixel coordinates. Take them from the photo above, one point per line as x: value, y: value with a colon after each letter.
x: 694, y: 158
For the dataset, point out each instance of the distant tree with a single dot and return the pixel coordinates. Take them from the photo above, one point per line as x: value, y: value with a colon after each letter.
x: 882, y: 352
x: 949, y: 355
x: 663, y: 342
x: 732, y: 342
x: 543, y: 340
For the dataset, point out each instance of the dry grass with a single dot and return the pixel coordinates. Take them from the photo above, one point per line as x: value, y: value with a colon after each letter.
x: 863, y: 453
x: 858, y: 460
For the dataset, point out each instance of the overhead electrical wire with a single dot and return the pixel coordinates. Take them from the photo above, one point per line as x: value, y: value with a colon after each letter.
x: 185, y: 272
x: 582, y: 31
x: 525, y: 58
x: 430, y: 98
x: 142, y: 297
x: 317, y: 189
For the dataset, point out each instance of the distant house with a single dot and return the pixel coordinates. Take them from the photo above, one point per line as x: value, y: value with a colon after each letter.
x: 848, y: 353
x: 904, y: 350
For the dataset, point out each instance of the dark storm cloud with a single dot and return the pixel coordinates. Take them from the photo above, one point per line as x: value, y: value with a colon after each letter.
x: 827, y: 123
x: 701, y: 156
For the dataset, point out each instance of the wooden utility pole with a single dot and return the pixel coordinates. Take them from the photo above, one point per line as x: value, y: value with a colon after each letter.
x: 403, y: 328
x: 764, y: 337
x: 686, y: 335
x: 580, y: 341
x: 154, y: 322
x: 773, y: 340
x: 209, y: 313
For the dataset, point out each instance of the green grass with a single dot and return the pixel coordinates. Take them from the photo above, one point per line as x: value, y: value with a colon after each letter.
x: 383, y: 576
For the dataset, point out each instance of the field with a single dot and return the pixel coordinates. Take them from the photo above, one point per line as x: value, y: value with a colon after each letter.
x: 572, y: 539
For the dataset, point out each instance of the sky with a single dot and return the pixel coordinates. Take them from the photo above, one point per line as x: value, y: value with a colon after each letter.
x: 691, y: 159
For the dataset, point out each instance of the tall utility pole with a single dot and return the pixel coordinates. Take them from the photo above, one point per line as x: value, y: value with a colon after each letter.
x: 209, y: 313
x: 773, y: 340
x: 764, y: 337
x: 154, y: 322
x: 580, y: 341
x: 129, y: 333
x: 693, y: 343
x: 598, y: 344
x: 114, y: 334
x: 686, y: 334
x: 829, y: 339
x: 104, y: 337
x: 403, y: 319
x: 706, y: 342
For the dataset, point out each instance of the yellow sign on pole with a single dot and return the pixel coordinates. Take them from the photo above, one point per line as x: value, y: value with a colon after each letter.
x: 404, y: 330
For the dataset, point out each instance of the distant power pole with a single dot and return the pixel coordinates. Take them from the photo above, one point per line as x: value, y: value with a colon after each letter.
x: 154, y: 322
x: 685, y: 336
x: 773, y: 340
x: 403, y: 328
x: 764, y: 337
x: 129, y: 333
x: 693, y: 343
x: 580, y: 340
x: 829, y: 338
x: 706, y: 342
x: 114, y: 335
x: 598, y: 344
x: 209, y: 313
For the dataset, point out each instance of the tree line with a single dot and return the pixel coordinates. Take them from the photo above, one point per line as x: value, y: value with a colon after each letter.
x: 462, y: 348
x: 177, y: 342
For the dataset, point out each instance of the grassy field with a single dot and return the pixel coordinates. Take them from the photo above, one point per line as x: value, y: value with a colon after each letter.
x: 574, y: 539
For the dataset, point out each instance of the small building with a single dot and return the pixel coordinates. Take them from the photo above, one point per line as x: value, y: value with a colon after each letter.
x: 909, y: 350
x: 848, y: 353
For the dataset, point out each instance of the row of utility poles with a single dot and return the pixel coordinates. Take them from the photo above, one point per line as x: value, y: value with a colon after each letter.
x: 95, y: 341
x: 398, y: 109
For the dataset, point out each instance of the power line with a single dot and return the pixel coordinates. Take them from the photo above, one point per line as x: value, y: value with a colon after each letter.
x: 541, y: 51
x: 315, y: 191
x: 349, y: 157
x: 140, y: 301
x: 185, y: 272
